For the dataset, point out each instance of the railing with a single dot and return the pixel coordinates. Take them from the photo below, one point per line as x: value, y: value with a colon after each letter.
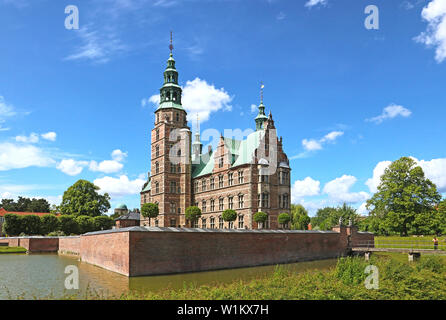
x: 401, y: 244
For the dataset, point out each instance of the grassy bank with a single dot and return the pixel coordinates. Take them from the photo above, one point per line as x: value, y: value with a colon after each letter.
x: 419, y: 242
x: 12, y: 250
x: 425, y: 279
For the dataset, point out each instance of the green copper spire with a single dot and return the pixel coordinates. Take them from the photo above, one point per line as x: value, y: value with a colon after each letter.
x: 261, y: 117
x: 170, y: 93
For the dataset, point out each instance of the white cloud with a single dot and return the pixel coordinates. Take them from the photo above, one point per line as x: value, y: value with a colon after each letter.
x: 312, y: 3
x: 434, y: 170
x: 435, y: 35
x: 339, y: 190
x: 304, y: 188
x: 118, y: 187
x: 313, y: 145
x: 118, y: 155
x: 50, y: 136
x: 362, y: 210
x: 6, y: 111
x: 375, y: 180
x: 98, y: 46
x: 391, y: 112
x: 14, y: 156
x: 33, y: 138
x: 106, y: 166
x: 72, y: 167
x: 281, y: 16
x: 200, y: 98
x: 253, y: 108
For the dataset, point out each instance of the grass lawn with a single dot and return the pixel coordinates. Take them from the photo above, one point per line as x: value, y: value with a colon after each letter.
x: 12, y: 250
x: 420, y: 242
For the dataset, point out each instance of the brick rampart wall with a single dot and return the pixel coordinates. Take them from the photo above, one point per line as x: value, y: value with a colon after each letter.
x: 70, y: 245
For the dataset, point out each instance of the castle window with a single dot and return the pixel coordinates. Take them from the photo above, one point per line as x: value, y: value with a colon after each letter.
x: 220, y: 181
x: 230, y: 179
x: 173, y: 223
x: 220, y: 204
x: 157, y: 134
x: 241, y: 201
x: 212, y: 183
x: 173, y: 187
x: 241, y: 222
x: 264, y: 178
x: 231, y: 202
x: 156, y: 223
x: 195, y: 224
x: 179, y: 153
x: 203, y: 185
x: 280, y: 201
x: 203, y: 206
x: 203, y: 223
x: 212, y: 205
x: 157, y: 151
x: 212, y: 223
x: 285, y: 199
x: 220, y: 222
x: 240, y: 177
x: 177, y: 117
x: 173, y: 207
x: 231, y: 224
x: 173, y: 168
x: 196, y: 186
x: 157, y: 187
x: 265, y: 200
x: 220, y: 163
x: 157, y: 167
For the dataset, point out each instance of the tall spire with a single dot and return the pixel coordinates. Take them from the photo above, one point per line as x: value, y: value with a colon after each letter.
x: 261, y: 117
x: 171, y: 43
x: 197, y: 146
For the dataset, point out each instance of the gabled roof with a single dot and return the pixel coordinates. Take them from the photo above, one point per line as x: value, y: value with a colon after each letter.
x: 147, y: 186
x: 242, y: 153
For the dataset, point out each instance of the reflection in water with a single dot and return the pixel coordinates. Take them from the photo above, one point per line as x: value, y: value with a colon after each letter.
x: 42, y: 276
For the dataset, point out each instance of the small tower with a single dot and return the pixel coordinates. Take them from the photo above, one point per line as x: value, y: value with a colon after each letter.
x: 261, y: 117
x: 197, y: 146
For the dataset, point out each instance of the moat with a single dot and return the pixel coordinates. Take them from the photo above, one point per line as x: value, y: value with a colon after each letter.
x: 42, y: 276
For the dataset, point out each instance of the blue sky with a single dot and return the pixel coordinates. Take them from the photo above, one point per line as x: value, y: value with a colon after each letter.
x: 78, y: 104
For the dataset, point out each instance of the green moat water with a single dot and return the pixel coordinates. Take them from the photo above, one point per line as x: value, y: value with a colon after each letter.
x: 42, y: 276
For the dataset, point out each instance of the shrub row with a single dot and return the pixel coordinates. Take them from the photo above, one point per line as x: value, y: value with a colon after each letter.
x: 50, y: 224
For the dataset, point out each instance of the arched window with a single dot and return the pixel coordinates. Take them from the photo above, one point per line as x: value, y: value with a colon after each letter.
x: 157, y: 187
x: 157, y: 151
x: 179, y: 153
x: 157, y: 167
x: 157, y: 134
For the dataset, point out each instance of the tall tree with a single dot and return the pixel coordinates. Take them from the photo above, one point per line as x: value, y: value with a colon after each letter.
x: 403, y: 194
x: 82, y: 198
x: 299, y: 217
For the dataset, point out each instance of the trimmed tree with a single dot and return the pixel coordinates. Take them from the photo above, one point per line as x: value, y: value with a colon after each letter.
x: 85, y: 224
x: 103, y: 223
x: 284, y: 218
x: 12, y: 225
x: 31, y: 225
x: 149, y: 210
x: 260, y: 217
x: 83, y: 199
x: 49, y: 223
x: 192, y: 214
x: 229, y: 215
x: 68, y: 225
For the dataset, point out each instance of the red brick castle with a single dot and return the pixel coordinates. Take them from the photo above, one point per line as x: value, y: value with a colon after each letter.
x: 246, y: 175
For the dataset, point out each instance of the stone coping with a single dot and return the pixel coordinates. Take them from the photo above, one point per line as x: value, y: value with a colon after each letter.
x: 198, y: 230
x: 38, y: 237
x: 365, y: 232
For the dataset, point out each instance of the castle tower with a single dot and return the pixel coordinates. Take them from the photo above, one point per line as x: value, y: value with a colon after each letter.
x: 170, y: 153
x: 261, y: 117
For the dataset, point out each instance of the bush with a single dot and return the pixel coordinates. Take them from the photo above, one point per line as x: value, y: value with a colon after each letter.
x: 85, y: 224
x: 229, y: 215
x: 49, y: 223
x: 260, y: 217
x: 103, y: 223
x: 350, y: 270
x: 12, y: 225
x: 56, y: 234
x: 31, y: 225
x: 68, y: 225
x: 193, y: 213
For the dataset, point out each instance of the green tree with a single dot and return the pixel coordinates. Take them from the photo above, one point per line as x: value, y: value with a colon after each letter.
x: 31, y: 225
x: 68, y: 225
x: 299, y: 217
x: 260, y: 217
x: 12, y: 225
x: 328, y: 217
x: 83, y: 199
x: 284, y: 218
x: 26, y: 205
x: 193, y: 213
x: 103, y: 223
x: 85, y: 224
x: 403, y: 194
x: 39, y: 205
x: 49, y: 223
x: 230, y: 216
x: 149, y: 210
